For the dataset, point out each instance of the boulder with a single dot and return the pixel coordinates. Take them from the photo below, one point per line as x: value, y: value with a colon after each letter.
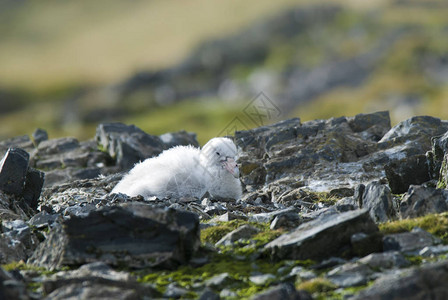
x: 409, y: 242
x: 127, y: 144
x: 427, y: 282
x: 13, y: 169
x: 136, y: 236
x: 420, y: 201
x: 322, y: 237
x: 377, y: 198
x: 404, y: 172
x: 243, y: 232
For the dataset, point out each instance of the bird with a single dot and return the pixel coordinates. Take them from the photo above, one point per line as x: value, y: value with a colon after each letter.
x: 186, y: 171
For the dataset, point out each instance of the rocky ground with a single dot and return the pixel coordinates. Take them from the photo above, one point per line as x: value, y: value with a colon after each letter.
x: 341, y: 208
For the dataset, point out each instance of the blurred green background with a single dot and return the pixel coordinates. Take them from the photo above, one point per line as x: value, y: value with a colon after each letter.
x: 165, y: 65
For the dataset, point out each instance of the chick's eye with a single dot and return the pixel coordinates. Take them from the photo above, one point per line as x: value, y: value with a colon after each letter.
x: 217, y: 153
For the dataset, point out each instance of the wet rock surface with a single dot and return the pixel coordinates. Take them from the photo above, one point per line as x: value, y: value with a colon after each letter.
x: 319, y: 216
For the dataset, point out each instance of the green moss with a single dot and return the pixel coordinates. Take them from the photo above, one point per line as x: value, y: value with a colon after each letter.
x: 316, y: 285
x: 436, y: 224
x: 20, y: 265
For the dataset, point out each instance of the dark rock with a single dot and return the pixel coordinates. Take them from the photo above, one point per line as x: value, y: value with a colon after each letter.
x: 11, y: 288
x: 56, y: 146
x: 420, y: 201
x: 13, y: 169
x: 427, y: 282
x: 137, y: 236
x: 322, y: 237
x: 377, y: 198
x: 228, y: 216
x: 43, y: 219
x: 378, y: 123
x: 284, y: 291
x: 243, y: 232
x: 34, y: 182
x: 409, y: 241
x: 180, y: 138
x: 287, y: 220
x: 440, y: 146
x: 39, y: 135
x: 127, y: 145
x: 208, y: 294
x: 364, y: 244
x: 94, y: 281
x: 424, y: 126
x: 404, y: 172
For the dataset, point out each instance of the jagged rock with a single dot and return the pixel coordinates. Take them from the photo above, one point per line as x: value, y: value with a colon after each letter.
x: 427, y: 282
x: 423, y: 126
x: 137, y: 236
x: 285, y: 291
x: 127, y: 145
x: 11, y: 288
x: 13, y: 168
x: 404, y: 172
x: 322, y: 237
x: 93, y: 281
x: 43, y: 219
x: 420, y: 201
x: 375, y: 125
x: 440, y: 146
x: 409, y: 241
x: 243, y: 232
x: 377, y: 198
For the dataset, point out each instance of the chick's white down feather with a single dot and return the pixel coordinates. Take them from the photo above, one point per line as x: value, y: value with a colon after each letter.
x: 186, y: 171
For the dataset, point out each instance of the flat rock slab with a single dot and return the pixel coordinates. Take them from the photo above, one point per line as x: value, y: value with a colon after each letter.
x: 136, y: 236
x: 322, y: 237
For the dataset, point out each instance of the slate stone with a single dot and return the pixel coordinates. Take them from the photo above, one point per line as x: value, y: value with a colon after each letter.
x: 43, y: 219
x: 13, y: 169
x: 127, y: 144
x: 349, y: 275
x: 363, y: 244
x: 409, y: 241
x: 136, y: 236
x: 420, y: 201
x: 377, y: 198
x: 407, y: 171
x: 426, y: 282
x: 268, y: 217
x: 322, y: 237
